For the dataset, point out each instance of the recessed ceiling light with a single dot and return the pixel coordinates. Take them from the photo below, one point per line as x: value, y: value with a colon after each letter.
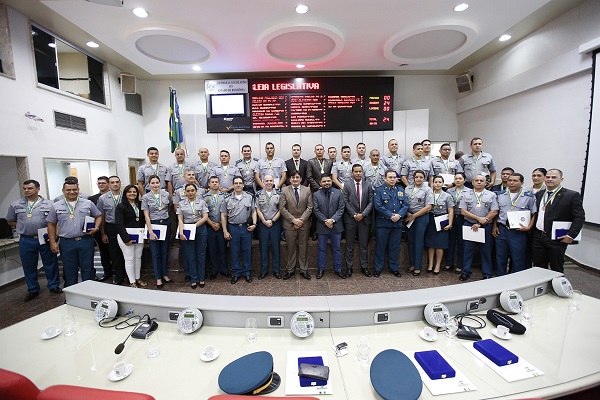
x: 302, y: 9
x: 196, y: 68
x: 300, y: 65
x: 52, y: 44
x: 92, y: 44
x: 504, y: 38
x: 140, y: 12
x: 461, y: 7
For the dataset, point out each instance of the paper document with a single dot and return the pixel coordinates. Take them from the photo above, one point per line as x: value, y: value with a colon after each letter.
x: 89, y: 223
x: 560, y: 228
x: 409, y: 223
x: 518, y: 217
x: 472, y: 236
x: 448, y: 179
x: 160, y: 231
x: 514, y: 372
x: 136, y: 235
x: 189, y: 230
x: 43, y: 235
x: 441, y: 221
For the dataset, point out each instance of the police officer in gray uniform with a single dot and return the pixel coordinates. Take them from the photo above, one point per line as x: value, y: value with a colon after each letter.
x: 107, y: 204
x: 204, y: 168
x: 478, y: 163
x: 269, y: 229
x: 341, y: 172
x: 444, y: 164
x: 151, y: 168
x: 179, y: 193
x: 175, y: 176
x: 225, y: 172
x: 215, y: 239
x: 72, y: 179
x: 374, y: 172
x: 270, y: 165
x: 247, y: 166
x: 479, y: 208
x: 416, y: 163
x: 394, y: 160
x: 66, y: 220
x: 238, y: 218
x: 29, y: 215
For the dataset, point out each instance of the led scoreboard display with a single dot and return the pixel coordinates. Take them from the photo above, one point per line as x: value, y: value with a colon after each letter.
x: 300, y: 104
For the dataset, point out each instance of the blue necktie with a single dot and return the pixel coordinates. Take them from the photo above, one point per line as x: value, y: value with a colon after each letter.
x: 297, y: 196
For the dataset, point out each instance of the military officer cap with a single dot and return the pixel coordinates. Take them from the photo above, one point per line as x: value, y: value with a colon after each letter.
x: 250, y: 374
x: 394, y: 376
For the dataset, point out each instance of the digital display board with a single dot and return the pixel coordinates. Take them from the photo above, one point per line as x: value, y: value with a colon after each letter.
x: 304, y: 104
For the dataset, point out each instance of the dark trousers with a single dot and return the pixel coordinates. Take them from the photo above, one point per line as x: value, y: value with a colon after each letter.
x: 115, y: 253
x: 194, y: 252
x: 513, y: 243
x: 416, y: 240
x: 363, y: 243
x: 160, y: 251
x: 387, y: 242
x: 29, y: 250
x: 77, y: 254
x: 269, y: 238
x: 485, y: 250
x: 104, y: 255
x: 335, y: 239
x: 241, y: 248
x: 216, y: 249
x: 548, y: 252
x: 456, y: 245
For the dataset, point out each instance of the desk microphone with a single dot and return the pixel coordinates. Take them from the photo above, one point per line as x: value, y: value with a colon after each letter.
x: 121, y: 346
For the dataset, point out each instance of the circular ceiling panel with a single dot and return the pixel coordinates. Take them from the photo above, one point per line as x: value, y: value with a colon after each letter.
x: 428, y: 44
x: 171, y: 45
x: 306, y: 43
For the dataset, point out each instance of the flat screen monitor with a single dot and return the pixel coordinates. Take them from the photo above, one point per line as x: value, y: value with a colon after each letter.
x: 223, y: 105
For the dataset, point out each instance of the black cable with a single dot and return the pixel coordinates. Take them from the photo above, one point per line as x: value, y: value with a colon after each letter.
x: 125, y: 323
x: 473, y: 317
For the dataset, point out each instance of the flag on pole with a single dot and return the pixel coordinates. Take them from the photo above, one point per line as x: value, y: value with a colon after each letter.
x: 175, y: 128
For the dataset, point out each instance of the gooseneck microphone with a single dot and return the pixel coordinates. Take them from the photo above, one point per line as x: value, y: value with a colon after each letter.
x: 121, y: 346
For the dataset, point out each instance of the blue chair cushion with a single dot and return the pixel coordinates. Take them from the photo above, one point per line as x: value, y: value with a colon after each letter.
x: 247, y: 374
x: 394, y: 376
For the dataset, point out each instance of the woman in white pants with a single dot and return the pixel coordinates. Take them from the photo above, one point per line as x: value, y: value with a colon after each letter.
x: 127, y: 215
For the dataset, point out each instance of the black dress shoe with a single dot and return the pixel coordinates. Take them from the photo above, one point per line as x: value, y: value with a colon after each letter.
x: 463, y: 277
x: 320, y: 273
x: 366, y: 272
x: 248, y: 279
x: 226, y: 275
x: 314, y: 237
x: 376, y: 274
x: 202, y: 285
x: 340, y: 274
x: 235, y: 279
x: 194, y: 285
x: 119, y: 282
x: 212, y: 277
x: 56, y: 290
x: 31, y: 295
x: 159, y: 285
x: 262, y: 276
x: 349, y: 273
x: 287, y: 275
x: 397, y: 274
x: 305, y: 275
x: 277, y: 275
x: 187, y: 278
x: 104, y: 278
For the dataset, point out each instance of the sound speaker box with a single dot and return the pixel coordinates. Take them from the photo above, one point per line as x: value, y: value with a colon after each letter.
x: 463, y: 82
x: 128, y: 83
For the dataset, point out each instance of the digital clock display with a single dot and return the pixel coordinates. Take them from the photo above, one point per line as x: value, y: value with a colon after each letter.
x: 305, y: 104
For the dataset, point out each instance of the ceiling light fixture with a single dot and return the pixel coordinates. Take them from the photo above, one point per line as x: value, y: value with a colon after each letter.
x: 140, y: 12
x: 302, y: 9
x: 92, y: 44
x: 504, y: 38
x: 196, y: 68
x: 461, y: 7
x: 300, y: 65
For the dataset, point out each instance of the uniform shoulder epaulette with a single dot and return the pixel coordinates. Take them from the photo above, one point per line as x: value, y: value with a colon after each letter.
x: 227, y: 195
x: 255, y: 159
x: 239, y: 161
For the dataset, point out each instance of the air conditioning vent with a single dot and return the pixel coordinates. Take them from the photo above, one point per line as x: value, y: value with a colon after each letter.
x: 133, y: 103
x: 71, y: 122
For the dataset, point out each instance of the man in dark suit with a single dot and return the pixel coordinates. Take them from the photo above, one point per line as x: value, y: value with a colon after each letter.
x: 555, y: 204
x: 296, y: 205
x: 317, y: 166
x: 105, y: 258
x: 328, y: 209
x: 296, y: 163
x: 358, y: 199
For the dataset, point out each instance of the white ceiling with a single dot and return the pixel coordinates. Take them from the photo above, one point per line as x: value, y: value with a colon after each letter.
x: 252, y: 36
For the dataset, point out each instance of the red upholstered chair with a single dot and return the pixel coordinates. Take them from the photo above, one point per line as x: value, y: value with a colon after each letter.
x: 66, y: 392
x: 15, y: 386
x: 240, y: 397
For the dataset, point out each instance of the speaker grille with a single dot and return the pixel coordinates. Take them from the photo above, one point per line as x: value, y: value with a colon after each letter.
x: 71, y: 122
x: 463, y: 82
x: 133, y: 103
x: 128, y: 84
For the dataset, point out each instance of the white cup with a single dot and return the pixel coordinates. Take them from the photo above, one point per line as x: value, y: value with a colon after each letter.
x: 120, y: 368
x: 575, y: 300
x: 364, y: 349
x: 428, y: 332
x: 209, y: 352
x: 50, y: 331
x: 68, y: 324
x: 502, y: 330
x: 251, y: 331
x: 152, y: 344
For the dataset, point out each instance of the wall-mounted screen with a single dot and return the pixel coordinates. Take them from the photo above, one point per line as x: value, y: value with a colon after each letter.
x: 227, y: 105
x: 303, y: 104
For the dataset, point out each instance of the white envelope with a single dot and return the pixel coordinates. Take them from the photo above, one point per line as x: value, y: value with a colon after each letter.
x: 409, y: 223
x: 439, y: 220
x: 89, y: 223
x: 189, y: 230
x: 518, y: 217
x: 470, y: 235
x: 140, y: 232
x: 159, y: 230
x: 43, y: 235
x: 562, y: 225
x: 448, y: 179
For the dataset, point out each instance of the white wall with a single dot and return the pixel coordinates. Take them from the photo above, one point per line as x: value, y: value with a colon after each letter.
x: 113, y: 134
x: 530, y: 105
x: 9, y: 182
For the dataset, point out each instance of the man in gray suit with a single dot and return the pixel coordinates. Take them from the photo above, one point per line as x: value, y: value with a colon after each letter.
x: 328, y: 206
x: 296, y: 205
x: 358, y: 199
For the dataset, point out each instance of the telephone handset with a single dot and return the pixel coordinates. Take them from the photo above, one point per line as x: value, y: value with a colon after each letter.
x: 105, y: 309
x: 302, y: 324
x: 436, y: 314
x: 511, y: 301
x: 189, y: 320
x: 562, y: 286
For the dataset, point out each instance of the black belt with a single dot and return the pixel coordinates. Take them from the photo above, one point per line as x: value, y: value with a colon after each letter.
x: 29, y: 236
x: 160, y: 221
x: 240, y: 225
x: 78, y: 238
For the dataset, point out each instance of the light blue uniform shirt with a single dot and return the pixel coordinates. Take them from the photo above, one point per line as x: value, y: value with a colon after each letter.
x: 158, y: 206
x: 522, y: 201
x: 418, y: 197
x: 191, y: 215
x: 147, y: 170
x: 343, y: 170
x: 238, y: 210
x: 479, y: 204
x: 72, y: 227
x: 17, y: 211
x: 411, y: 165
x: 213, y: 202
x: 225, y: 174
x: 247, y: 170
x: 107, y: 204
x: 175, y: 173
x: 268, y: 204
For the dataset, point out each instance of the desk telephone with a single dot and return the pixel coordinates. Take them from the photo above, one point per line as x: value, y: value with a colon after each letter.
x: 436, y: 314
x: 105, y: 309
x: 511, y: 301
x: 302, y: 324
x: 189, y: 320
x: 562, y: 286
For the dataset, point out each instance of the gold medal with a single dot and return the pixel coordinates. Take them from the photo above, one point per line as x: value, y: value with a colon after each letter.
x: 474, y: 167
x: 512, y: 207
x: 160, y: 208
x: 71, y: 216
x: 478, y: 205
x: 28, y: 215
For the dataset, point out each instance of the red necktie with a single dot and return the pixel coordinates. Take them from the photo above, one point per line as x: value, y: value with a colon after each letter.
x: 296, y: 161
x: 358, y: 194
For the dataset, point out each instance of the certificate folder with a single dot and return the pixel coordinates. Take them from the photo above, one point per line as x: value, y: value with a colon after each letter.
x: 495, y: 352
x: 434, y: 365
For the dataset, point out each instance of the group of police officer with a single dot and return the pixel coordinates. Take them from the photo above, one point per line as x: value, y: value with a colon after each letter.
x: 230, y: 201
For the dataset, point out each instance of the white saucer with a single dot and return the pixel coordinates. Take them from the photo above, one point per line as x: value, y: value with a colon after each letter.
x: 113, y: 377
x: 46, y: 337
x: 431, y: 339
x: 505, y: 337
x: 214, y: 357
